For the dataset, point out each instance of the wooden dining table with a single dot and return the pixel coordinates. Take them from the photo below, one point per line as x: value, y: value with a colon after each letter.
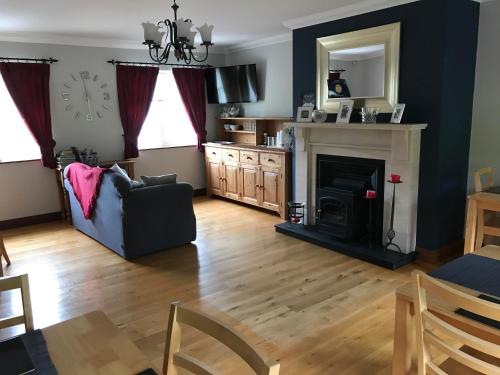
x: 404, y: 335
x: 92, y: 344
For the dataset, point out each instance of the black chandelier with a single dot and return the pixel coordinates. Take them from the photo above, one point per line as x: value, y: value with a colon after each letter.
x: 177, y: 35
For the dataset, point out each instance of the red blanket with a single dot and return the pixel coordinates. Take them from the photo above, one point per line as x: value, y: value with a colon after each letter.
x: 86, y: 182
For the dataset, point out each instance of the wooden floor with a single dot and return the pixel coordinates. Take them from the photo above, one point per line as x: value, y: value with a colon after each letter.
x: 317, y: 311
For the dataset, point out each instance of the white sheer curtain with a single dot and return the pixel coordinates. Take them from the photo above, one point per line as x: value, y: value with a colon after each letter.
x: 167, y: 123
x: 16, y: 141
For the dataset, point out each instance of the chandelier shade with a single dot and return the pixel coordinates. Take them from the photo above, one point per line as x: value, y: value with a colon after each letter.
x: 176, y: 36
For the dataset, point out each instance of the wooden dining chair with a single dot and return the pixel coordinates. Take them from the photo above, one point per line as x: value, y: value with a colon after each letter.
x: 12, y: 283
x: 429, y: 325
x: 486, y: 174
x: 3, y: 252
x: 174, y: 358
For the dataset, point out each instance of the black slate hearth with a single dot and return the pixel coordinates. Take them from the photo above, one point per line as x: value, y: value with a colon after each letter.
x: 375, y: 255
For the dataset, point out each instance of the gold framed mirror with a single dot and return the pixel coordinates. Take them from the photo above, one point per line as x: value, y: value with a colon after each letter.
x: 362, y: 65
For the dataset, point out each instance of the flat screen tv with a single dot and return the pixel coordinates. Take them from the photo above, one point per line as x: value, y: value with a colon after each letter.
x: 232, y: 84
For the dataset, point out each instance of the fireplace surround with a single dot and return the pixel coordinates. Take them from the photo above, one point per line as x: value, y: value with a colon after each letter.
x: 397, y: 145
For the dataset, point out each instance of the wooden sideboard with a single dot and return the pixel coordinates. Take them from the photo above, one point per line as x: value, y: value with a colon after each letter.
x: 128, y: 165
x: 255, y: 175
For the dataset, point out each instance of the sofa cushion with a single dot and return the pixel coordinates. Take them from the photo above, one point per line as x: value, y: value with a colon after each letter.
x: 159, y: 180
x: 120, y: 171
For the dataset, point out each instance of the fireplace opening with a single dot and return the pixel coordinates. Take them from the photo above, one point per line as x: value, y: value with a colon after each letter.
x: 341, y: 209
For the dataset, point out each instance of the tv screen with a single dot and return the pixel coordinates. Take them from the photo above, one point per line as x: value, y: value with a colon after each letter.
x: 232, y: 84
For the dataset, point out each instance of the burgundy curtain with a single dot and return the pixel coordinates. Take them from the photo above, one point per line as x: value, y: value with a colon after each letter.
x: 191, y: 85
x: 28, y: 85
x: 136, y: 86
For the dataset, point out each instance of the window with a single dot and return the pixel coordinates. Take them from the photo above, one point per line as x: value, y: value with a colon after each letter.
x: 167, y: 123
x: 16, y: 141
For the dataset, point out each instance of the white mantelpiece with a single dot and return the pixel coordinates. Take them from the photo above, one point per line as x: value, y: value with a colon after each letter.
x: 398, y: 145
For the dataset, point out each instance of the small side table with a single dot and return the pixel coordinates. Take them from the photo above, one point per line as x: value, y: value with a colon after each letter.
x: 128, y: 165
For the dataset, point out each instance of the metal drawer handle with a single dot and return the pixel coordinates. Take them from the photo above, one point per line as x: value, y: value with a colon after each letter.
x: 213, y: 153
x: 230, y: 155
x: 271, y: 161
x: 249, y: 158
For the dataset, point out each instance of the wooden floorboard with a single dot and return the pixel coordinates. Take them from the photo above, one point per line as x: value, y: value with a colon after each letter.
x: 315, y: 310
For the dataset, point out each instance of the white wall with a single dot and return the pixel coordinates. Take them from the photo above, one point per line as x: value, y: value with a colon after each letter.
x: 28, y: 189
x: 274, y: 74
x: 485, y: 136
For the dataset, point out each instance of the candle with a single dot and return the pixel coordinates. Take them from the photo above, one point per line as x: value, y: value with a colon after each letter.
x: 371, y: 194
x: 395, y: 178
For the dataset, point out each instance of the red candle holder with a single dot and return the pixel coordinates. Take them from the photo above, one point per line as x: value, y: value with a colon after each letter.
x: 371, y: 194
x: 395, y: 178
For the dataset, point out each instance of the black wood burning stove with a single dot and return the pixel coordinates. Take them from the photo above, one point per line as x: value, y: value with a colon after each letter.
x: 341, y: 209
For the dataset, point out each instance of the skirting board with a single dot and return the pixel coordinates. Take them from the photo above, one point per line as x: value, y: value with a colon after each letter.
x: 199, y: 192
x: 441, y: 255
x: 30, y: 220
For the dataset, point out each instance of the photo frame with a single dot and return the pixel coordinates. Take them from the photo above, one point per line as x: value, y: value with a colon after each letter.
x: 397, y: 113
x: 304, y: 114
x: 345, y: 111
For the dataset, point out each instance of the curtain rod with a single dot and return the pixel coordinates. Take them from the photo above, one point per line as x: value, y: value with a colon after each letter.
x: 117, y: 62
x: 23, y: 59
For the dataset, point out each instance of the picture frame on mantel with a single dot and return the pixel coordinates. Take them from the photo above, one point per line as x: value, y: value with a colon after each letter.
x: 304, y: 114
x: 397, y: 114
x: 345, y: 111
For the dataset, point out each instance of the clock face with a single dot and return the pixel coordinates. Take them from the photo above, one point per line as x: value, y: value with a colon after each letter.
x: 86, y: 96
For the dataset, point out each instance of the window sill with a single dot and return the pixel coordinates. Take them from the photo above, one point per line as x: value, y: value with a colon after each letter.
x: 165, y: 147
x: 19, y: 161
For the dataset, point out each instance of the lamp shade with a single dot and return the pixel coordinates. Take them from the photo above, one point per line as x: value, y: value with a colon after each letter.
x: 150, y: 31
x: 206, y: 33
x: 183, y: 28
x: 191, y: 37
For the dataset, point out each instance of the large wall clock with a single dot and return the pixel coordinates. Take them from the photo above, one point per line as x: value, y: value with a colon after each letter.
x: 86, y: 96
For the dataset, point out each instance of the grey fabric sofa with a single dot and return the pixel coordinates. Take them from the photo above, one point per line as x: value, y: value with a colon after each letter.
x: 139, y: 221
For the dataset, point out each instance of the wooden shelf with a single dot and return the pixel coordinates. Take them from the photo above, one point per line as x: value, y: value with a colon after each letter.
x: 240, y: 131
x: 255, y: 118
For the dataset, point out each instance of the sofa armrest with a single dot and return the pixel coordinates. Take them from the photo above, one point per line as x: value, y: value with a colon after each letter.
x: 154, y: 214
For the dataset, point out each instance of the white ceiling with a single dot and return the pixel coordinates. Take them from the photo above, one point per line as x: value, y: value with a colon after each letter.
x: 118, y: 22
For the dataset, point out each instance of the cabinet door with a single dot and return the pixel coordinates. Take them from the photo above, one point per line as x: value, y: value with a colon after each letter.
x: 214, y: 177
x: 230, y: 179
x: 249, y: 180
x: 270, y: 188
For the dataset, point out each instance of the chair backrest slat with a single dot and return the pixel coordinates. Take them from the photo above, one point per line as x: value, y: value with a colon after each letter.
x: 192, y: 364
x: 468, y: 339
x: 216, y: 329
x: 429, y: 326
x: 458, y: 298
x: 18, y: 282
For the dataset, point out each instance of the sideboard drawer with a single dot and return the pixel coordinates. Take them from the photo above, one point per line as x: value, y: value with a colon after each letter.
x: 271, y: 160
x: 249, y: 157
x: 213, y: 153
x: 230, y: 155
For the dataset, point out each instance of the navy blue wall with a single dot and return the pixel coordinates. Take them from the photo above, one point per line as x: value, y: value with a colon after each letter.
x: 436, y: 81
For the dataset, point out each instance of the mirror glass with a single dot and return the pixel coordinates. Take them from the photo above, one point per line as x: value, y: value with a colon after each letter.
x: 357, y: 72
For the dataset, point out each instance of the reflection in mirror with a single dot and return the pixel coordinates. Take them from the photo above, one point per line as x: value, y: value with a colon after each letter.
x: 357, y: 72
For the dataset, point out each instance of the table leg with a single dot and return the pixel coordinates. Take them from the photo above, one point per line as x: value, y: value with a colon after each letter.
x: 403, y: 337
x: 470, y: 226
x: 480, y: 229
